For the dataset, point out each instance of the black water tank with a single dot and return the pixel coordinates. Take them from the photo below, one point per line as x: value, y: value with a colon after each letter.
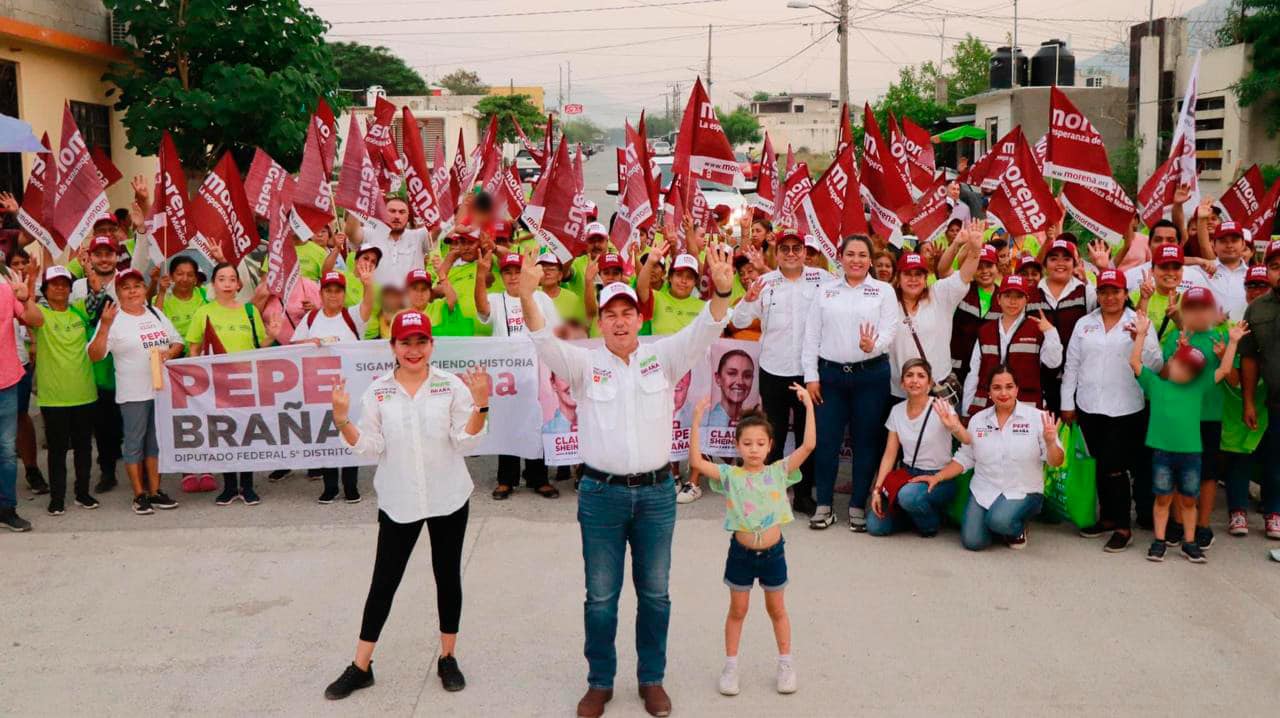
x: 1001, y: 61
x: 1053, y: 64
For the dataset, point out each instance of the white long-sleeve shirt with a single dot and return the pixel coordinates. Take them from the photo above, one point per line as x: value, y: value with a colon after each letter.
x: 1097, y: 378
x: 1006, y: 460
x: 832, y: 329
x: 400, y: 255
x: 625, y: 407
x: 419, y: 442
x: 933, y: 322
x: 1050, y: 355
x: 506, y: 315
x: 781, y: 308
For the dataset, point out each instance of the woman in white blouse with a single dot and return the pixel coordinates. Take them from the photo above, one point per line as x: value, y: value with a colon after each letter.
x: 1010, y: 442
x: 418, y: 422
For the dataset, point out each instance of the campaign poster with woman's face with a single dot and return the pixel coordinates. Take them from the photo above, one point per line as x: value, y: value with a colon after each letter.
x: 733, y: 392
x: 559, y: 419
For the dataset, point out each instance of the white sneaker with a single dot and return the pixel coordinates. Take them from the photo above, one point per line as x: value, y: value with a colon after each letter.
x: 786, y: 677
x: 857, y: 520
x: 729, y: 680
x: 688, y: 493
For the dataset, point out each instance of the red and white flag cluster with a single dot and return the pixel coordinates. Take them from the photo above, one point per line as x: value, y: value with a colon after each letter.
x: 702, y: 149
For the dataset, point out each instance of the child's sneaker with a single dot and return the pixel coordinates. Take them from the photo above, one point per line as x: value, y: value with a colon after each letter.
x: 689, y: 492
x: 1239, y: 524
x: 1193, y: 552
x: 1204, y: 537
x: 729, y: 679
x: 1156, y: 552
x: 786, y: 676
x: 1273, y: 526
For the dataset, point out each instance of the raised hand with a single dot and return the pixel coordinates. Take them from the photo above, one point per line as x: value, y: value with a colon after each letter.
x: 802, y: 395
x: 947, y: 415
x: 141, y: 194
x: 1238, y: 331
x: 484, y: 263
x: 18, y: 280
x: 164, y: 281
x: 757, y: 258
x: 657, y: 252
x: 1148, y: 286
x: 1141, y: 324
x: 720, y: 267
x: 7, y: 203
x: 1050, y: 426
x: 365, y: 273
x: 867, y: 336
x: 274, y: 325
x: 480, y: 383
x: 1044, y: 324
x: 530, y: 272
x: 340, y: 400
x: 753, y: 292
x: 1182, y: 194
x: 109, y: 312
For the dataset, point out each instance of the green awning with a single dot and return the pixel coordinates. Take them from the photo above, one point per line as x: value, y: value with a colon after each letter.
x: 963, y: 132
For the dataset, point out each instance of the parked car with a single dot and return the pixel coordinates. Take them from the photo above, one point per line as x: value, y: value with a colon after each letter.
x: 716, y: 193
x: 750, y: 167
x: 660, y: 148
x: 527, y: 168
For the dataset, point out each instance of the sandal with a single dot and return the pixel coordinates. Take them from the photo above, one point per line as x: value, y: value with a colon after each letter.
x: 547, y: 491
x: 502, y: 492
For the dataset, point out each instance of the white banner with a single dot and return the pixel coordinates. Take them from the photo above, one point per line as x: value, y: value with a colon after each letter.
x: 270, y: 408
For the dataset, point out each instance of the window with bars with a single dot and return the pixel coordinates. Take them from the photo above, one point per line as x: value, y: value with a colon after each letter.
x: 94, y: 122
x: 431, y: 129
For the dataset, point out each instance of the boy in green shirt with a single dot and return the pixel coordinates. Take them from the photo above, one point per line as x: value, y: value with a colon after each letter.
x: 1173, y: 430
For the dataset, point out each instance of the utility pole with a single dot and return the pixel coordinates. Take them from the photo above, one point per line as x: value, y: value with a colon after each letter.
x: 560, y: 88
x: 1013, y: 51
x: 569, y: 81
x: 708, y: 61
x: 942, y: 42
x: 843, y: 31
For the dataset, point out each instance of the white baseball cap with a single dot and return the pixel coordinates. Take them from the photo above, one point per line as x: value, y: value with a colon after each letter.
x: 595, y: 229
x: 812, y: 241
x: 686, y: 261
x: 617, y: 290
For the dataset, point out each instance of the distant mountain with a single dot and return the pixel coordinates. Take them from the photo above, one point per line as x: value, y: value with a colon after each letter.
x: 1203, y: 22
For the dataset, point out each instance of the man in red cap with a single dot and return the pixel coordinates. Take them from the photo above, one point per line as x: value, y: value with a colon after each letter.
x: 1015, y: 340
x: 626, y: 398
x: 1231, y: 248
x: 975, y: 309
x: 91, y: 294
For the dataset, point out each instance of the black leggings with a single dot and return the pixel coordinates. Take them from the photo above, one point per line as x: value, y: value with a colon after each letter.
x: 395, y: 545
x: 1111, y: 441
x: 68, y: 428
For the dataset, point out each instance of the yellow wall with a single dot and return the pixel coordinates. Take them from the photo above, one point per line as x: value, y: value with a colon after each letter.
x: 535, y: 93
x: 48, y: 77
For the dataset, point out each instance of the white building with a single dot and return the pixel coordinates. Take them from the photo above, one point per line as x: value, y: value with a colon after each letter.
x: 438, y: 119
x: 804, y: 120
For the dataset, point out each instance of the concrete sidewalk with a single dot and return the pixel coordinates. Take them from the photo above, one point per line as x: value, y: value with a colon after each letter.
x: 239, y: 611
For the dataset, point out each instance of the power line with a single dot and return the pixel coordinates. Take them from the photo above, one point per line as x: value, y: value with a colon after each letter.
x: 789, y: 58
x: 522, y: 31
x: 527, y: 13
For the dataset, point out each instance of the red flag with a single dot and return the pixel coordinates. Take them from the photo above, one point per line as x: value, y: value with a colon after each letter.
x: 1261, y: 224
x: 1075, y: 151
x: 1242, y: 199
x: 1041, y: 151
x: 699, y: 210
x: 508, y: 197
x: 418, y: 180
x: 702, y: 150
x: 987, y: 171
x: 325, y: 127
x: 78, y: 198
x: 535, y: 151
x: 358, y: 190
x: 282, y: 256
x: 380, y: 144
x: 35, y: 217
x: 220, y: 213
x: 490, y: 158
x: 898, y: 151
x: 312, y: 197
x: 633, y: 192
x: 458, y: 174
x: 212, y: 343
x: 823, y: 209
x: 766, y: 197
x: 1022, y: 200
x: 932, y: 212
x: 547, y: 142
x: 845, y: 129
x: 883, y: 188
x: 168, y: 223
x: 263, y: 183
x: 920, y: 160
x: 797, y: 187
x: 674, y: 210
x: 554, y: 213
x: 106, y: 168
x: 653, y: 177
x: 1157, y: 192
x: 440, y: 179
x: 1104, y: 212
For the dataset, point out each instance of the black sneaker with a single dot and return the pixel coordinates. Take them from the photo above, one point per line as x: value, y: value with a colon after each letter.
x: 87, y: 502
x: 161, y: 500
x: 804, y: 505
x: 1118, y: 542
x: 36, y: 482
x: 277, y: 474
x: 1204, y: 537
x: 105, y: 484
x: 142, y: 505
x: 10, y: 519
x: 1156, y: 552
x: 250, y: 497
x: 351, y: 680
x: 1193, y: 552
x: 450, y: 677
x: 1097, y: 530
x: 353, y: 498
x: 56, y: 508
x: 327, y: 497
x: 227, y: 497
x: 1173, y: 534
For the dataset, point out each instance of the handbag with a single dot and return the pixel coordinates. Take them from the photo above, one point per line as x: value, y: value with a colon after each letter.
x: 899, y: 477
x: 949, y: 389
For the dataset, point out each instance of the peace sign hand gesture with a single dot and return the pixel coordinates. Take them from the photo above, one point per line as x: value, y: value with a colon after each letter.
x: 1044, y: 324
x: 867, y: 336
x: 340, y: 400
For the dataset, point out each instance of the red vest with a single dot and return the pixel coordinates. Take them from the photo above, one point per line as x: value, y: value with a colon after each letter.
x: 964, y: 329
x: 1071, y: 308
x: 1022, y: 358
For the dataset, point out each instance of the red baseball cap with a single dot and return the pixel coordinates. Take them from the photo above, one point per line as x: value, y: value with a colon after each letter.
x: 1014, y: 283
x: 1167, y: 254
x: 1191, y: 356
x: 1062, y: 245
x: 611, y: 261
x: 1257, y: 274
x: 337, y: 278
x: 1028, y: 260
x: 911, y: 262
x: 500, y: 229
x: 1112, y: 278
x: 410, y: 323
x: 1273, y: 249
x: 988, y: 254
x: 1198, y: 297
x: 788, y: 235
x: 1230, y: 229
x: 130, y: 273
x: 416, y: 275
x: 617, y: 290
x: 103, y: 241
x: 510, y: 260
x: 721, y: 211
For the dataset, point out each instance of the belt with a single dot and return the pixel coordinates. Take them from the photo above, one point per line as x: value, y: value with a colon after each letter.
x: 631, y: 481
x: 857, y: 366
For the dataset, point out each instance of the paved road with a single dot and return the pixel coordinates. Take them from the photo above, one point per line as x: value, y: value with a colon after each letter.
x: 236, y: 611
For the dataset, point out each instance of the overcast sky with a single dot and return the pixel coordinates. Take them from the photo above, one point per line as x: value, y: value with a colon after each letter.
x: 626, y: 59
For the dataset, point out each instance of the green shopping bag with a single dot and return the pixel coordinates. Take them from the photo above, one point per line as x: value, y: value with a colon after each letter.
x: 956, y: 510
x: 1070, y: 490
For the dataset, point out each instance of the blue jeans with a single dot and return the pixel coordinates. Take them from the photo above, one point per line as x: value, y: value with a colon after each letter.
x: 853, y: 404
x: 917, y: 507
x: 1006, y: 517
x: 610, y: 517
x: 1175, y: 471
x: 8, y: 447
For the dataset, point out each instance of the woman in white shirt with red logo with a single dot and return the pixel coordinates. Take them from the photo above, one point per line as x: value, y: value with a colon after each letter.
x: 418, y: 422
x: 1010, y: 442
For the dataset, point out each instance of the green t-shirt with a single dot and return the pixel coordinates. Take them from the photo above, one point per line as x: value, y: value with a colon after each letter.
x: 1236, y: 437
x: 577, y: 280
x: 984, y: 299
x: 104, y: 370
x: 1211, y: 402
x: 1157, y: 309
x: 1174, y: 424
x: 64, y: 374
x: 463, y: 279
x: 311, y: 258
x: 231, y: 326
x: 670, y: 315
x: 180, y: 311
x: 569, y: 305
x: 755, y: 502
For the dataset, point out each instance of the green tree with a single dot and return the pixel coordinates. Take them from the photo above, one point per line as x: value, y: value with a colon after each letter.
x: 759, y: 96
x: 582, y: 131
x: 221, y: 74
x: 464, y: 82
x: 1124, y: 166
x: 1260, y: 27
x: 361, y: 66
x: 740, y: 126
x: 969, y: 74
x: 658, y: 125
x: 531, y: 119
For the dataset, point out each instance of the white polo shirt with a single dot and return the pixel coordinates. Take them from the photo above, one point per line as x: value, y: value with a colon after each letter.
x: 836, y: 315
x: 933, y: 321
x: 399, y: 256
x: 1096, y: 376
x: 1006, y: 461
x: 781, y: 308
